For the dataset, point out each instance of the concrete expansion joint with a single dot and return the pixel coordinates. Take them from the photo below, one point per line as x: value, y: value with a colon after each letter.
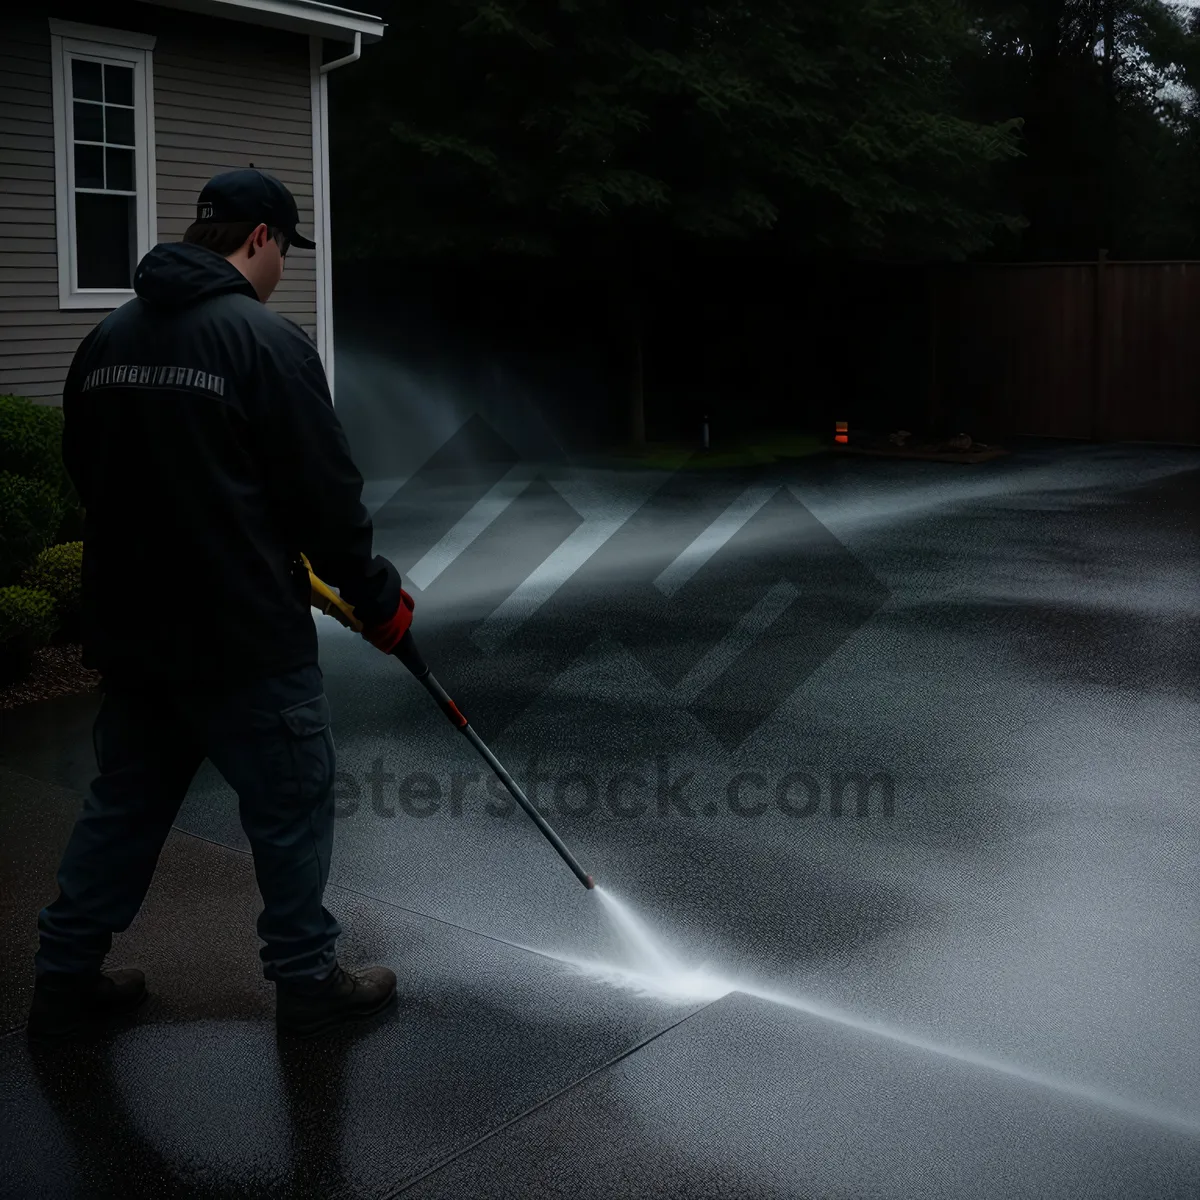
x: 455, y: 1155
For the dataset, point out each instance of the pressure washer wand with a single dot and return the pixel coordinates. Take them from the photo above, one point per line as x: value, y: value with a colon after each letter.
x: 410, y: 656
x: 329, y: 602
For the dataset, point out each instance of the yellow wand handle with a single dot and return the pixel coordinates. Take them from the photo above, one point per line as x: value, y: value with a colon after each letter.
x: 329, y: 602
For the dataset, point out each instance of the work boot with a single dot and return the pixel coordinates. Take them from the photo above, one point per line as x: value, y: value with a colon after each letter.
x: 66, y: 1004
x: 305, y: 1010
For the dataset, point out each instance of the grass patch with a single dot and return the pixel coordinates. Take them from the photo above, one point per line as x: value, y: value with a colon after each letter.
x: 749, y: 451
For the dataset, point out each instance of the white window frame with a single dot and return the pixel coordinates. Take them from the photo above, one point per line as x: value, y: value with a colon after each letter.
x: 68, y: 40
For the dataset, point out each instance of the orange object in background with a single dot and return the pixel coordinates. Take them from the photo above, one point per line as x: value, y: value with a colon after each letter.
x: 842, y: 432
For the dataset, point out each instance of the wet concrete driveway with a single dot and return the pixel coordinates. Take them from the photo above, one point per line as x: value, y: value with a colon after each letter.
x: 903, y: 755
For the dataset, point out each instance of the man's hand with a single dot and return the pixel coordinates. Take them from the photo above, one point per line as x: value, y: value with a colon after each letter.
x: 386, y: 637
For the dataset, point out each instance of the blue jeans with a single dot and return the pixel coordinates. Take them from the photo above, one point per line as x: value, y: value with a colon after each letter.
x: 271, y: 742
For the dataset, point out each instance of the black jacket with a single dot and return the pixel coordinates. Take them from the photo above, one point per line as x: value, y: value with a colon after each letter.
x: 201, y: 438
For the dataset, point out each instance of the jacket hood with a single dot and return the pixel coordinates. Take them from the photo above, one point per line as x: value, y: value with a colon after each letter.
x: 176, y: 275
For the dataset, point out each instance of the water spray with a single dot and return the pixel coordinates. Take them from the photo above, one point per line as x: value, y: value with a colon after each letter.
x: 330, y: 603
x: 657, y: 971
x: 651, y: 969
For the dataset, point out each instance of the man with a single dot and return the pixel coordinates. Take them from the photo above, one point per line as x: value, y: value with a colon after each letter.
x: 201, y: 438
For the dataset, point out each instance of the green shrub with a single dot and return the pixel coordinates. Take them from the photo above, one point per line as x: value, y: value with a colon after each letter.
x: 31, y: 441
x: 31, y: 446
x: 31, y: 512
x: 58, y: 570
x: 26, y: 614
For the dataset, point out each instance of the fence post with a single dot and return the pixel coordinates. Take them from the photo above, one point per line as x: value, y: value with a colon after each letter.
x: 1099, y: 350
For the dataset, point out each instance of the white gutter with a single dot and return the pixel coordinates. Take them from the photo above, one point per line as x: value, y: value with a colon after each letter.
x: 300, y: 16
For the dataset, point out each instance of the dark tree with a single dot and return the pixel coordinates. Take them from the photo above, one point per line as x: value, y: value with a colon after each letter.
x: 610, y: 132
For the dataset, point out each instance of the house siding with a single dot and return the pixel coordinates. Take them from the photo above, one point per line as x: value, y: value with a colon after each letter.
x: 225, y: 95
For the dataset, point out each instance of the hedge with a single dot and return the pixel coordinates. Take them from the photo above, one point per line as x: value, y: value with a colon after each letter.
x: 31, y: 511
x: 58, y: 570
x: 26, y: 613
x: 31, y: 442
x: 31, y: 447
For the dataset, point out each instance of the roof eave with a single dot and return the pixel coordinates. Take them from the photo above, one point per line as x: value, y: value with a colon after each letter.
x: 297, y: 16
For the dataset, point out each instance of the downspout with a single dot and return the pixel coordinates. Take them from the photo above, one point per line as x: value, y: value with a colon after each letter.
x: 320, y: 102
x: 347, y: 59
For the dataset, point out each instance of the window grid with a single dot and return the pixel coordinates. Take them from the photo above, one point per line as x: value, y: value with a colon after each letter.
x: 104, y: 104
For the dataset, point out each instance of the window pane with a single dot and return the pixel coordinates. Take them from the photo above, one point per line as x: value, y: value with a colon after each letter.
x: 119, y: 177
x: 105, y: 240
x: 118, y: 84
x: 118, y: 126
x: 89, y: 122
x: 89, y: 166
x: 85, y: 80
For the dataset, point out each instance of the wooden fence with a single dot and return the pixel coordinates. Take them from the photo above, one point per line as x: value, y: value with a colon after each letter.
x: 1100, y: 351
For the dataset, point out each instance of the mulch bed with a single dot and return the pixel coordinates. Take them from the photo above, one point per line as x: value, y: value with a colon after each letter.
x: 56, y: 671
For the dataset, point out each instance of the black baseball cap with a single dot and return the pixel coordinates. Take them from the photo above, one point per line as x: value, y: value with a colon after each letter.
x: 249, y: 194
